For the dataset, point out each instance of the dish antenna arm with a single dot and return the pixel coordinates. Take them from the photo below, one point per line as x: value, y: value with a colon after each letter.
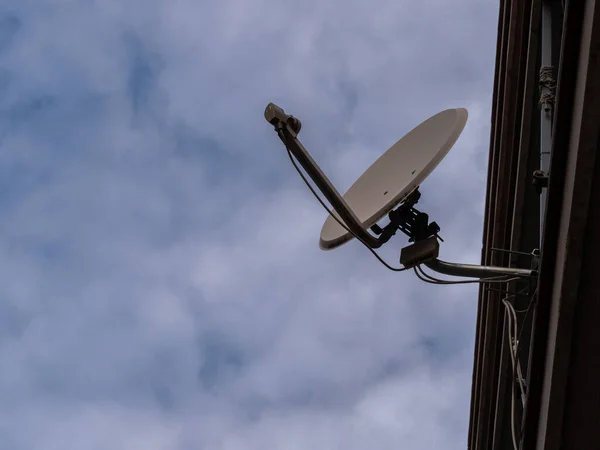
x: 287, y: 128
x: 474, y: 271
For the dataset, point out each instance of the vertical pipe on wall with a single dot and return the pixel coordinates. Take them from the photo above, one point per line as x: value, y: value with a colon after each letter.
x: 546, y: 101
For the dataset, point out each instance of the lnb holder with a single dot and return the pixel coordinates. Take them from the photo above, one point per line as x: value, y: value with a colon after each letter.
x: 412, y: 222
x: 276, y: 116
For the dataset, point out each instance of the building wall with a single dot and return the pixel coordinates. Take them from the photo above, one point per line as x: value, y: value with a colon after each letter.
x: 562, y: 358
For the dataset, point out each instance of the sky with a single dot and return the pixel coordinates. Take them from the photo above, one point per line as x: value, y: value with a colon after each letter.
x: 162, y: 286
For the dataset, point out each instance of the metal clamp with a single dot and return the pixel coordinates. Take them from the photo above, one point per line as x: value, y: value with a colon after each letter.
x: 539, y: 180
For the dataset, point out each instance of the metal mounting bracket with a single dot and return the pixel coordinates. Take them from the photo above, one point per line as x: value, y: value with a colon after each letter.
x: 539, y: 180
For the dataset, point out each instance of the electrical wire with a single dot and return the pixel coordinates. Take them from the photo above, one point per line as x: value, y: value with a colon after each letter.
x: 512, y: 358
x: 527, y: 311
x: 517, y: 375
x: 511, y: 316
x: 513, y: 347
x: 512, y: 418
x: 532, y: 301
x: 343, y: 225
x: 517, y: 372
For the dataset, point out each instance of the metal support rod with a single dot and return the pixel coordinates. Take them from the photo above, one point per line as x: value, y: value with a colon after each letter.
x: 512, y: 252
x: 288, y: 135
x: 547, y: 108
x: 473, y: 271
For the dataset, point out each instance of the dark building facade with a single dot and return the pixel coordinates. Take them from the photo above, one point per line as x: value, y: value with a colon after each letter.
x: 543, y: 170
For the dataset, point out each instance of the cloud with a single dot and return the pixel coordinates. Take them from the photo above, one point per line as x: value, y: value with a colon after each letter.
x: 163, y: 286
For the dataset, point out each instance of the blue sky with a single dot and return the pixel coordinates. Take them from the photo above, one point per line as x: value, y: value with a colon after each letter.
x: 162, y: 285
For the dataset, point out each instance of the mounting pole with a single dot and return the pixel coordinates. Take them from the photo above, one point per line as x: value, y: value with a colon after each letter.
x: 469, y: 270
x: 546, y: 102
x: 426, y: 251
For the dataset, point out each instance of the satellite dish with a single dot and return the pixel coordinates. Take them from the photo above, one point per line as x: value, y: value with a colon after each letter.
x: 397, y: 173
x: 392, y: 180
